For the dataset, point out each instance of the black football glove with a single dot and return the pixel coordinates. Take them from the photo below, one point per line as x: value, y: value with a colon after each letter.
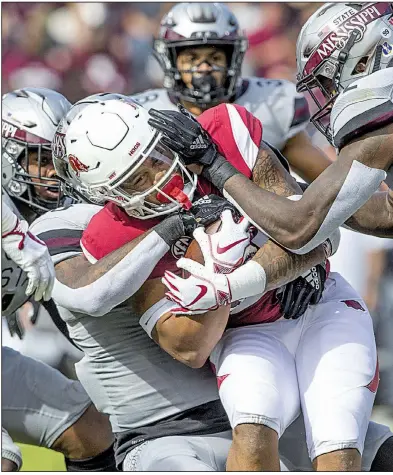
x: 184, y: 135
x: 296, y: 296
x: 208, y: 209
x: 205, y: 211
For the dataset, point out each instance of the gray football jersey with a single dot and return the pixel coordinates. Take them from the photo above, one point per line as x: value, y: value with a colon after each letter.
x: 126, y: 374
x: 282, y: 111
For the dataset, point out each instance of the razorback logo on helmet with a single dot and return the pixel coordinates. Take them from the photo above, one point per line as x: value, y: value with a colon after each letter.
x: 77, y: 165
x: 338, y: 38
x: 353, y: 304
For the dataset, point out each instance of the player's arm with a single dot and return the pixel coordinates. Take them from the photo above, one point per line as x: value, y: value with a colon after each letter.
x: 188, y: 338
x: 191, y: 338
x: 28, y: 252
x: 307, y: 160
x: 271, y: 267
x: 280, y: 266
x: 95, y: 289
x: 301, y: 225
x: 293, y: 224
x: 375, y: 217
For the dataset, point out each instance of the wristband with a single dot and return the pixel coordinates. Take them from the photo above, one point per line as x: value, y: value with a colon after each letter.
x: 219, y: 172
x: 246, y: 281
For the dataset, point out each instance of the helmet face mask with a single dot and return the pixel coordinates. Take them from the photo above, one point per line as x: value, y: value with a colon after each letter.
x: 196, y: 25
x: 113, y: 154
x: 339, y: 44
x: 29, y: 121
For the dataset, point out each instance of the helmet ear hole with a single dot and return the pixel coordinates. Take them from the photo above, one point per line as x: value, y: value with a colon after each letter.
x: 361, y: 66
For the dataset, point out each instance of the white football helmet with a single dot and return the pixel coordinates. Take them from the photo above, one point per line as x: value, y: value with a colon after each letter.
x: 29, y: 120
x: 107, y: 142
x: 70, y: 186
x: 340, y: 43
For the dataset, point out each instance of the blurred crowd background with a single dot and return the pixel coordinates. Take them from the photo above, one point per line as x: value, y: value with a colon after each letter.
x: 83, y: 48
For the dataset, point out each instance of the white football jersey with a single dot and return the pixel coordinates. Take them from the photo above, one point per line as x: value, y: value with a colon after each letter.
x: 362, y: 106
x: 282, y: 111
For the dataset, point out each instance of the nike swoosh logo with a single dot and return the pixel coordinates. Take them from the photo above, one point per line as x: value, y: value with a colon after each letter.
x: 202, y: 292
x: 221, y: 250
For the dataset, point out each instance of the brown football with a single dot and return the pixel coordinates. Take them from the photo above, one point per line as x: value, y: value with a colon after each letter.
x: 194, y: 251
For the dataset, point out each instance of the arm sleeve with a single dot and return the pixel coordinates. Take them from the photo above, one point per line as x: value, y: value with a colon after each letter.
x: 118, y: 284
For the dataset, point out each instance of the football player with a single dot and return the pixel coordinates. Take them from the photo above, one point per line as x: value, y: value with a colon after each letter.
x: 343, y: 52
x: 155, y: 183
x: 29, y: 120
x: 201, y: 48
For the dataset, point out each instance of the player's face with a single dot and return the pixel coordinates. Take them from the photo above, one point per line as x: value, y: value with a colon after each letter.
x: 149, y: 173
x: 201, y: 59
x: 39, y: 169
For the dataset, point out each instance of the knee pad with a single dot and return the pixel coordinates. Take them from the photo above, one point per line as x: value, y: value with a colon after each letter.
x: 103, y: 462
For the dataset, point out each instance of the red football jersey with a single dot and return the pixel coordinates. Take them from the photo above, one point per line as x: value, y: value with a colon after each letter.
x: 237, y: 134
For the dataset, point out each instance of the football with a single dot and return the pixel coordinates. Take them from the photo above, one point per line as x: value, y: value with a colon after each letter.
x: 194, y: 251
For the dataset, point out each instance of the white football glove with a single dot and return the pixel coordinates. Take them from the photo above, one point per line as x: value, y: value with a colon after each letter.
x: 228, y: 248
x: 32, y: 256
x: 207, y: 288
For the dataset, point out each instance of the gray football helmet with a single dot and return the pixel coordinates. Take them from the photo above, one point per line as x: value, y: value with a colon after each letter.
x: 200, y: 24
x: 340, y: 43
x: 29, y: 120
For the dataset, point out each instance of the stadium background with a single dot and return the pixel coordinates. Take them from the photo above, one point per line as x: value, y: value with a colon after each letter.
x: 83, y: 48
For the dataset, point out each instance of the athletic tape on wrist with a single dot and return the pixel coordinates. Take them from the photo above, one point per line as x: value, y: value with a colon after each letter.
x: 247, y: 281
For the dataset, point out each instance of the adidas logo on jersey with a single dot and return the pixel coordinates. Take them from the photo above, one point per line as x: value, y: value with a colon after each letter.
x: 198, y: 143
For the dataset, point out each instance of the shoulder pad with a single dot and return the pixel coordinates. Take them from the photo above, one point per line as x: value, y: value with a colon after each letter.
x: 283, y: 111
x: 155, y: 98
x: 363, y: 106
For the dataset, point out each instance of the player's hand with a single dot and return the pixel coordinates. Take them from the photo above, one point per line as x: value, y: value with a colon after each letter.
x: 296, y: 296
x: 207, y: 288
x: 196, y: 294
x: 184, y: 135
x: 209, y: 208
x: 32, y: 256
x: 226, y: 249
